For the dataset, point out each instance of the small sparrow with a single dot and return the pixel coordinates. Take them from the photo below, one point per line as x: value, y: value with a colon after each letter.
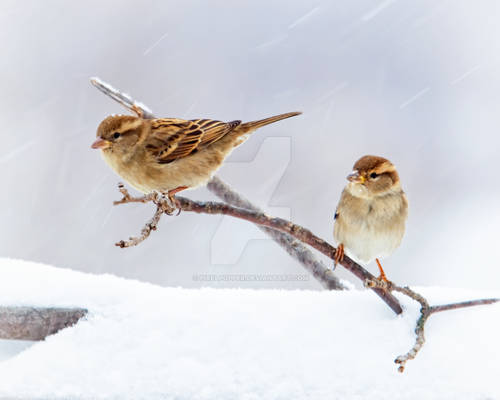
x: 168, y: 155
x: 371, y: 214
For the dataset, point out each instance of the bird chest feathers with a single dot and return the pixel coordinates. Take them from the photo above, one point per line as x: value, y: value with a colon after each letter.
x: 371, y: 227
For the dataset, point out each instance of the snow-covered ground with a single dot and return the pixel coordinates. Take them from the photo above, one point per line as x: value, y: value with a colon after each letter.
x: 145, y: 341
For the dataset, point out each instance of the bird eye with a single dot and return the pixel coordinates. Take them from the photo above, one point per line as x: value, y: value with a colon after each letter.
x: 116, y: 135
x: 373, y: 175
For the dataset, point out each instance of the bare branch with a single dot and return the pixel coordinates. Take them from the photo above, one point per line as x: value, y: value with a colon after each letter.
x: 463, y: 304
x: 425, y: 312
x: 419, y: 328
x: 34, y: 323
x: 163, y: 206
x: 127, y: 198
x: 297, y: 231
x: 293, y: 247
x: 279, y: 224
x: 151, y: 225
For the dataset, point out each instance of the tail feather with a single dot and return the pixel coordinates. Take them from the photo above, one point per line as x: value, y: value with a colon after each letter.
x: 251, y: 126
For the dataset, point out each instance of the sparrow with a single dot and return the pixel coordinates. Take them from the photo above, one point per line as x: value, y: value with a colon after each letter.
x: 371, y: 215
x: 168, y: 155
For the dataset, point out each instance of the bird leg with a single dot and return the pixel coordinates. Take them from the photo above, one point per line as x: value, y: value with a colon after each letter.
x: 166, y: 201
x: 382, y: 276
x: 339, y: 254
x: 381, y: 282
x: 173, y: 201
x: 172, y: 192
x: 163, y: 203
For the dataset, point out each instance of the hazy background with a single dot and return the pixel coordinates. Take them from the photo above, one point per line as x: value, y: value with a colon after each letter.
x: 416, y: 82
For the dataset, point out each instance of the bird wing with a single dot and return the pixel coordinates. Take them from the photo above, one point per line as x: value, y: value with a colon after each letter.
x: 173, y: 138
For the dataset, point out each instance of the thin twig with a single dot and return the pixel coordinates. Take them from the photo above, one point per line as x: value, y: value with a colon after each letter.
x: 151, y: 225
x: 419, y: 327
x: 127, y: 198
x: 425, y: 312
x: 293, y: 247
x: 162, y: 204
x: 463, y: 304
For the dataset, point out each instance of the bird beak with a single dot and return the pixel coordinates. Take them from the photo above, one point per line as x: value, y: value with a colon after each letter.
x: 356, y: 177
x: 100, y: 143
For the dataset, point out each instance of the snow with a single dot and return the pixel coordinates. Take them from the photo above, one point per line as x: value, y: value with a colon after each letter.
x: 145, y: 341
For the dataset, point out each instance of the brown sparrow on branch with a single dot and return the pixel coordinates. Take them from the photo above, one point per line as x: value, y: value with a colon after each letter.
x: 371, y: 214
x: 168, y: 155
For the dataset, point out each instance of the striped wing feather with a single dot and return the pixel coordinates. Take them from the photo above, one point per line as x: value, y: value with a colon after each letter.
x: 173, y: 138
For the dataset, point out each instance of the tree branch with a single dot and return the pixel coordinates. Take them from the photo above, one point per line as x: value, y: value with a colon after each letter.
x: 34, y: 323
x: 293, y: 247
x: 124, y: 99
x: 258, y: 218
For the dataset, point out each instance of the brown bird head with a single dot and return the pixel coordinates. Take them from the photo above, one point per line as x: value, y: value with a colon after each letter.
x: 118, y: 133
x: 373, y: 176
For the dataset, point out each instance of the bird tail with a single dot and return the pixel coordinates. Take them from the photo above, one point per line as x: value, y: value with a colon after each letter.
x: 253, y: 125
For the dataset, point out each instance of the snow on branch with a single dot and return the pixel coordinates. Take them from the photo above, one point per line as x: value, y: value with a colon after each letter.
x: 219, y: 188
x: 124, y: 99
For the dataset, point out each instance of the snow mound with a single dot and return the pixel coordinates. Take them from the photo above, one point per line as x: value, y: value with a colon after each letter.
x: 141, y: 341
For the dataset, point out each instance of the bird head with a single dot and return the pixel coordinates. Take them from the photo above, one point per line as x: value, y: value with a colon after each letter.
x: 118, y: 133
x: 373, y: 176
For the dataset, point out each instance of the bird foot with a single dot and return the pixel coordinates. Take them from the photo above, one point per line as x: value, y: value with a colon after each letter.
x: 339, y: 255
x: 382, y: 276
x: 166, y: 203
x: 377, y: 283
x: 174, y: 203
x: 380, y: 282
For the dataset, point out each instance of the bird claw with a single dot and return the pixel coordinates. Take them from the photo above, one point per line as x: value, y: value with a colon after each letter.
x: 163, y: 203
x: 339, y: 255
x: 378, y: 283
x: 168, y: 203
x: 382, y: 276
x: 174, y: 203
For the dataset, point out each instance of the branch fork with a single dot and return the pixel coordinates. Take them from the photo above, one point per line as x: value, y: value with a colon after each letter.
x: 163, y: 203
x: 426, y: 311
